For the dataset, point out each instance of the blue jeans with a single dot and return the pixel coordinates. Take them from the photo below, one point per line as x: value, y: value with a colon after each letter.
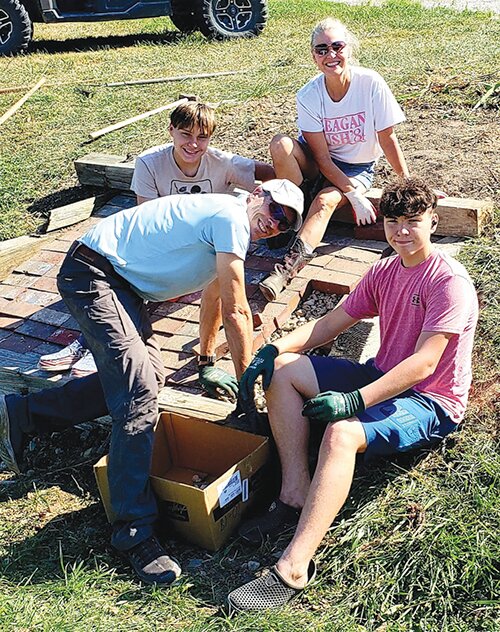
x: 118, y: 331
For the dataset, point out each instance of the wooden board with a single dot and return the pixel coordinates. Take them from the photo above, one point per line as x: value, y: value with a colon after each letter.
x: 13, y: 252
x: 70, y: 214
x: 458, y: 217
x: 107, y: 171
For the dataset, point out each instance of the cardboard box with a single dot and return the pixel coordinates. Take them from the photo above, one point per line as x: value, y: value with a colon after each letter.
x: 229, y: 463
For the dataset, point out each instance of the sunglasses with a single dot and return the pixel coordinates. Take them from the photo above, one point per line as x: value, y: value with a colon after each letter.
x: 278, y: 214
x: 322, y: 49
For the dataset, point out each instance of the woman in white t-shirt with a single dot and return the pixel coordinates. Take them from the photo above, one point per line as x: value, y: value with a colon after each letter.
x: 346, y: 119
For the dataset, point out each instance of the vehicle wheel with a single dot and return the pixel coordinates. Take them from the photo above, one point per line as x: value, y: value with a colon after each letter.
x: 184, y: 15
x: 225, y: 19
x: 15, y: 27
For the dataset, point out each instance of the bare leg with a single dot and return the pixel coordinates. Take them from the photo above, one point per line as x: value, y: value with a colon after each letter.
x: 293, y: 381
x: 290, y: 161
x: 320, y: 212
x: 328, y: 492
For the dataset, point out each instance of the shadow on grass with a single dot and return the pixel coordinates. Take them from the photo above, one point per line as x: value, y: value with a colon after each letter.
x: 85, y: 44
x: 44, y: 205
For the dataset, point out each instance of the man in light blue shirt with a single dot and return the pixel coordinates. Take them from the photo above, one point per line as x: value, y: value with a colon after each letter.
x: 162, y: 249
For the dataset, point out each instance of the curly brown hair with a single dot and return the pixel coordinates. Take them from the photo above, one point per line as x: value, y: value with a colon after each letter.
x: 406, y: 198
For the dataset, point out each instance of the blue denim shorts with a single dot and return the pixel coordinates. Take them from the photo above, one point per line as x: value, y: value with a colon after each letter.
x: 363, y: 172
x: 410, y: 420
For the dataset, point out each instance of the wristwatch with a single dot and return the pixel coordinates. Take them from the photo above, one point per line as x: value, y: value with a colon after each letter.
x: 207, y: 360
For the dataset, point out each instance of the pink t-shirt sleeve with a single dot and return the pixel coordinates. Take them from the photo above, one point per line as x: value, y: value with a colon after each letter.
x: 361, y: 302
x: 447, y: 305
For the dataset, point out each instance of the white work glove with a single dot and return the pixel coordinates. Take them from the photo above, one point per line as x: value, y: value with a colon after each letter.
x: 364, y: 211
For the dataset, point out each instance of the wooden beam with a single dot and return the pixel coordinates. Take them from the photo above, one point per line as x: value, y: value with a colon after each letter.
x: 458, y: 217
x: 134, y: 119
x: 105, y: 170
x: 15, y: 251
x: 19, y: 374
x: 22, y: 100
x: 70, y: 214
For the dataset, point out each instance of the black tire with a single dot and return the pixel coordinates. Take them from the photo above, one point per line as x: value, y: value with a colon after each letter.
x: 226, y: 19
x: 15, y: 27
x: 184, y: 15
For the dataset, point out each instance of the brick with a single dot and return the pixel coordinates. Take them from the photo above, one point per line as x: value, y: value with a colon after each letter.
x: 371, y: 231
x: 187, y: 375
x: 51, y: 257
x: 250, y: 290
x: 10, y: 292
x: 258, y: 341
x: 72, y: 323
x: 59, y: 246
x: 263, y: 264
x: 45, y: 284
x: 179, y: 311
x: 174, y: 361
x: 189, y: 329
x: 34, y: 267
x: 191, y: 299
x: 19, y: 344
x: 321, y: 260
x: 177, y: 343
x: 60, y: 306
x: 358, y: 268
x: 18, y: 309
x: 53, y: 272
x: 333, y: 282
x: 10, y: 322
x: 46, y: 347
x: 167, y: 326
x: 50, y: 317
x: 36, y: 330
x: 35, y: 297
x: 64, y: 336
x: 358, y: 254
x: 221, y: 345
x: 18, y: 280
x: 299, y: 285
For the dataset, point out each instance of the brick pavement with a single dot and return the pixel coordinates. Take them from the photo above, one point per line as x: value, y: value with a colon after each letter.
x: 35, y: 321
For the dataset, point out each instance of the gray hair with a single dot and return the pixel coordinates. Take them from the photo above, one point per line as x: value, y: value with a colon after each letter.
x: 331, y: 23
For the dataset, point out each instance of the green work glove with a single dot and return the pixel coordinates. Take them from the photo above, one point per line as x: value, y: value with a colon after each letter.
x: 262, y: 364
x: 332, y: 406
x: 215, y: 380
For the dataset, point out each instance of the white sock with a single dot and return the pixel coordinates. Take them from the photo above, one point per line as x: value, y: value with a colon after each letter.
x: 309, y: 249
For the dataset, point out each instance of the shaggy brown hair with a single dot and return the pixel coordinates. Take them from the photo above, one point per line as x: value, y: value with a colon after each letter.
x: 187, y: 115
x: 406, y: 198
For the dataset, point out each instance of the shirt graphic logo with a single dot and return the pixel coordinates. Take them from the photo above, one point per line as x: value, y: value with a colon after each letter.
x: 345, y: 130
x: 181, y: 188
x: 415, y: 299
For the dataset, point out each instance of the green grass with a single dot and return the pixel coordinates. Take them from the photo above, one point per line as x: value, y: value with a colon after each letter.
x: 417, y: 546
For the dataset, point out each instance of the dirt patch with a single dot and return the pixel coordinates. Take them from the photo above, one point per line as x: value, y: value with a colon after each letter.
x: 453, y: 149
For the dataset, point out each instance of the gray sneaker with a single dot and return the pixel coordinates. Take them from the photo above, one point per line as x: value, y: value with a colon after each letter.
x: 295, y: 259
x: 6, y: 450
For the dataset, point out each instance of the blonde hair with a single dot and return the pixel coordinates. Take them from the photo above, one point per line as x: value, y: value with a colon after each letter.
x: 331, y: 23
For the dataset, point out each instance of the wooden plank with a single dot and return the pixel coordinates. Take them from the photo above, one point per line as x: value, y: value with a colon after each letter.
x: 105, y: 170
x: 135, y: 119
x: 15, y: 251
x: 19, y: 374
x: 194, y: 405
x: 458, y: 217
x: 21, y: 101
x: 70, y: 214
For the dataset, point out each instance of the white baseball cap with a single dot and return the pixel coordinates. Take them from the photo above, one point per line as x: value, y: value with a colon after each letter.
x: 288, y: 194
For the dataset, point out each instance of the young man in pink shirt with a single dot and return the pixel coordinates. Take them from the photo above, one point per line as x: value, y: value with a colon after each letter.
x: 412, y: 394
